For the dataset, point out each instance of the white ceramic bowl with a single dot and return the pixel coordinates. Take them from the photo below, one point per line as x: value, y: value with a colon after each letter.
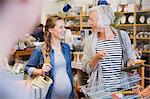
x: 131, y: 19
x: 148, y: 20
x: 142, y: 19
x: 123, y: 19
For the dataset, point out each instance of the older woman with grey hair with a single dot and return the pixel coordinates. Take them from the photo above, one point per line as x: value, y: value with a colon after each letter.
x: 106, y: 50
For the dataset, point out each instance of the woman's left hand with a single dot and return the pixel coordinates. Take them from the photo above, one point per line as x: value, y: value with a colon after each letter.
x: 130, y: 62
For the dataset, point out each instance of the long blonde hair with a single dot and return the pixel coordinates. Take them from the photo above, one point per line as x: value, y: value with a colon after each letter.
x: 50, y: 23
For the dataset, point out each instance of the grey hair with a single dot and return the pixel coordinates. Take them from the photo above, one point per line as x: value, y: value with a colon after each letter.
x: 104, y: 14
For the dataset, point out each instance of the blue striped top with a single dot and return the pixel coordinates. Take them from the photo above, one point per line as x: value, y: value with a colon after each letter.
x: 111, y: 65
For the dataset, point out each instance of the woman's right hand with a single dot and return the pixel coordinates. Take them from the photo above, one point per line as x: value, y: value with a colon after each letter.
x: 95, y: 60
x: 38, y: 72
x: 46, y: 67
x: 100, y: 55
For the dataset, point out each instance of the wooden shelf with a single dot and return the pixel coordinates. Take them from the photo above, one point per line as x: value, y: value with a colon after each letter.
x: 23, y: 53
x: 147, y: 65
x: 72, y: 26
x: 85, y: 15
x: 145, y: 51
x: 19, y: 54
x: 118, y: 25
x: 142, y: 24
x: 77, y: 27
x: 144, y: 11
x: 123, y: 12
x: 132, y: 24
x: 142, y: 38
x: 138, y: 61
x: 72, y: 17
x: 147, y: 78
x: 134, y: 11
x: 86, y: 26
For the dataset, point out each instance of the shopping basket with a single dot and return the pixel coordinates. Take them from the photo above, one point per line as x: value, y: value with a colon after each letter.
x: 124, y: 90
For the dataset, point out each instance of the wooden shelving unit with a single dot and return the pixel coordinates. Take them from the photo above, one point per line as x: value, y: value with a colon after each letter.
x: 136, y: 26
x: 80, y: 17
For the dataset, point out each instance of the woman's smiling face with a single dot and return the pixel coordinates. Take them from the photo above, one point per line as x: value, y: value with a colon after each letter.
x: 93, y: 21
x: 58, y: 30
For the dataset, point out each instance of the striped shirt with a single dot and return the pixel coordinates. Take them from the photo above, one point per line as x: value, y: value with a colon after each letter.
x: 111, y: 65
